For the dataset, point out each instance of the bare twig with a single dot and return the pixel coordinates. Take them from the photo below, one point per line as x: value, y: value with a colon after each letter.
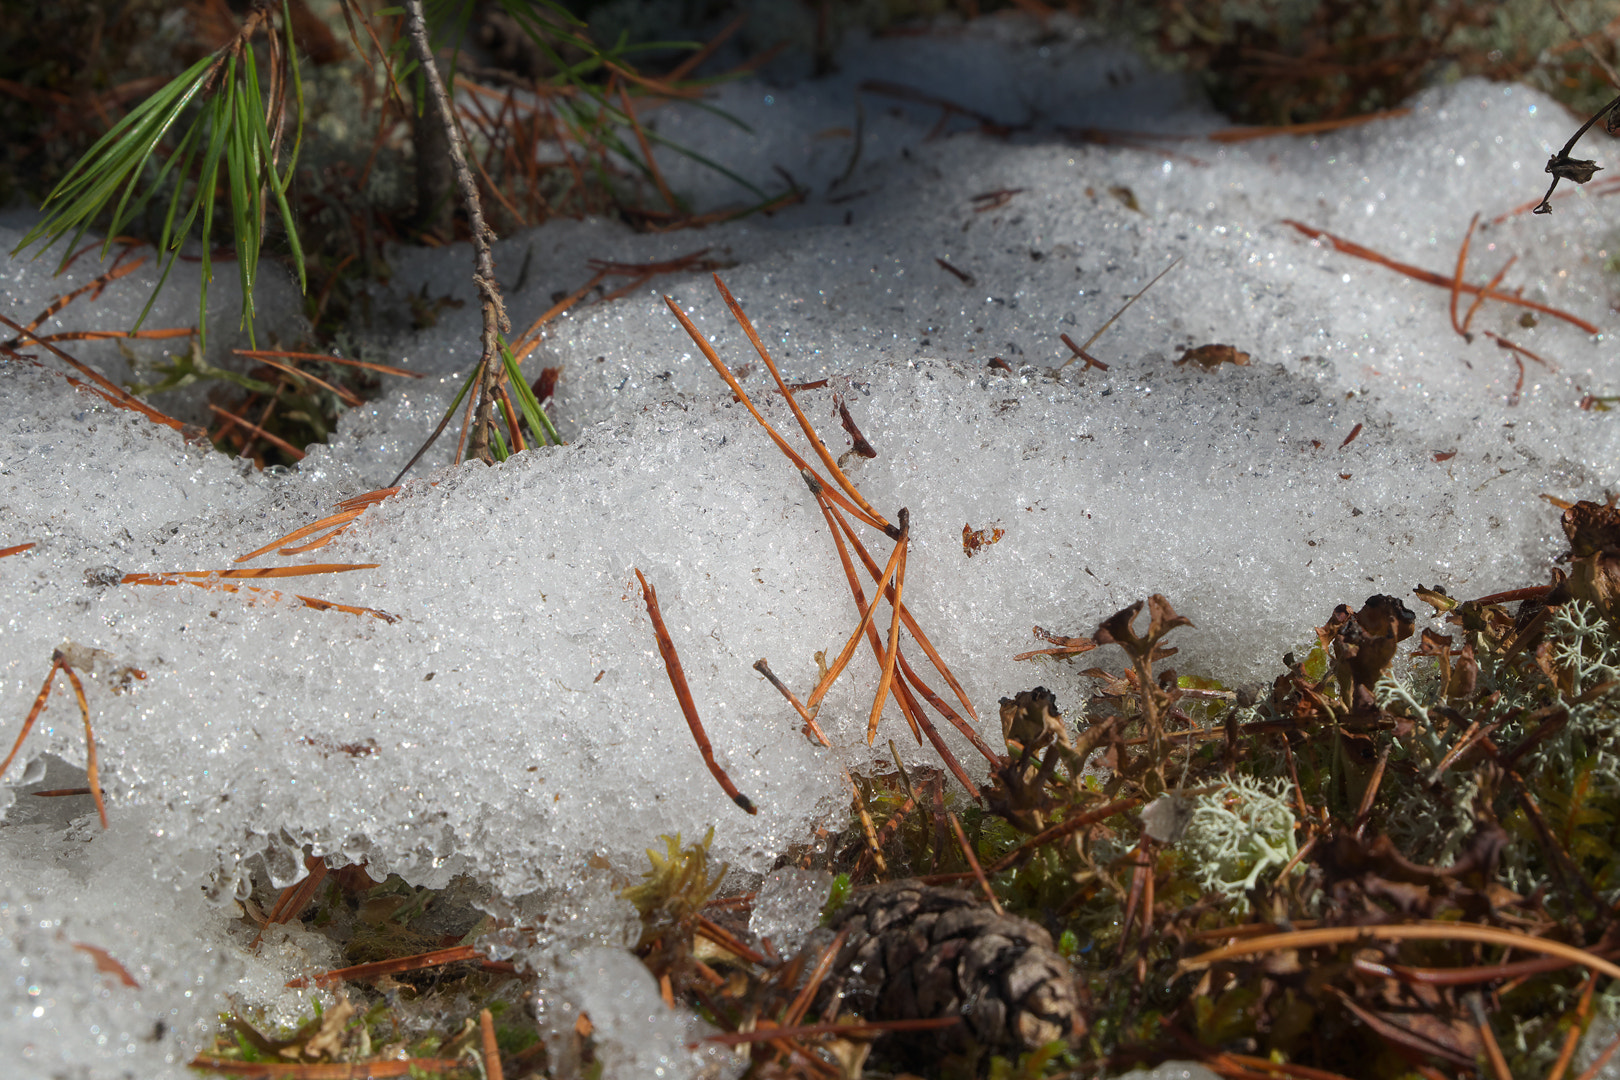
x: 495, y: 320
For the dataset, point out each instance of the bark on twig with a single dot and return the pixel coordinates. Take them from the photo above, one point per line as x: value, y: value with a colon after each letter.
x: 495, y: 321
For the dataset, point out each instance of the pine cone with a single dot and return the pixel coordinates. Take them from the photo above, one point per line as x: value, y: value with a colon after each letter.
x: 915, y: 951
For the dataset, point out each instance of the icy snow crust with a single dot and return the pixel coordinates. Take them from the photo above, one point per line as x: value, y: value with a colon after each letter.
x: 516, y: 721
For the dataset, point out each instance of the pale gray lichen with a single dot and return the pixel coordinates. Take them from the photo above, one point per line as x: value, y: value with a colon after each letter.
x: 1238, y: 832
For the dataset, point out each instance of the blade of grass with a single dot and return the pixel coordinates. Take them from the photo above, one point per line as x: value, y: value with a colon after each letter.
x: 533, y: 412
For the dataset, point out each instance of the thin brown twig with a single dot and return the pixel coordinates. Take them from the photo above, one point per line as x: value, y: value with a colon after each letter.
x: 1364, y: 811
x: 858, y: 1029
x: 494, y: 312
x: 433, y: 958
x: 1057, y: 832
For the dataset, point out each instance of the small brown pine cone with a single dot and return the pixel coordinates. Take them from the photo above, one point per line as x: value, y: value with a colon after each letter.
x: 916, y: 951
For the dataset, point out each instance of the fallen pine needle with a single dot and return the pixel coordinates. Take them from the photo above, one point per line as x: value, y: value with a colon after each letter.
x: 1424, y: 931
x: 107, y: 965
x: 114, y: 393
x: 836, y: 668
x: 348, y: 397
x: 454, y: 954
x: 1429, y: 277
x: 887, y: 679
x: 811, y: 728
x: 492, y: 1052
x: 911, y: 623
x: 781, y: 444
x: 15, y: 549
x: 247, y: 572
x: 91, y: 772
x: 348, y: 510
x: 1572, y: 1039
x: 798, y: 414
x: 275, y: 440
x: 1456, y: 278
x: 1490, y: 287
x: 818, y: 974
x: 327, y: 358
x: 1080, y: 350
x: 875, y: 1027
x: 96, y: 286
x: 683, y: 694
x: 828, y: 511
x: 973, y: 864
x: 1315, y: 127
x: 873, y: 846
x: 59, y: 663
x: 210, y: 580
x: 359, y: 1070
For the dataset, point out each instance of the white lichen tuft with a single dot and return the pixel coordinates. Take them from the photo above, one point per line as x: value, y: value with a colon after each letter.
x: 1238, y: 833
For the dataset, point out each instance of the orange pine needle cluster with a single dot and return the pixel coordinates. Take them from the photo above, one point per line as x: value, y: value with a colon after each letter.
x: 839, y: 500
x: 348, y: 510
x: 226, y: 581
